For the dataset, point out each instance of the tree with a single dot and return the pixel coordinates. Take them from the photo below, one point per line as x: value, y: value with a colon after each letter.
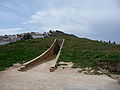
x: 104, y: 42
x: 50, y: 31
x: 109, y: 41
x: 27, y: 36
x: 114, y: 42
x: 58, y: 31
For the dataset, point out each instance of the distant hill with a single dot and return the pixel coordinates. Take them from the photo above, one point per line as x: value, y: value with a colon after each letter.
x: 81, y: 51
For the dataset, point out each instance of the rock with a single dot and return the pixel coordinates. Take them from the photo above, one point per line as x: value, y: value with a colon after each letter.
x: 52, y: 69
x: 16, y: 65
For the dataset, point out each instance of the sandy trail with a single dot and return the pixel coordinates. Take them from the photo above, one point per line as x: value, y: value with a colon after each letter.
x: 39, y: 78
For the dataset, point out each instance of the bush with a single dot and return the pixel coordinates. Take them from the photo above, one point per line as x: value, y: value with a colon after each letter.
x: 27, y: 36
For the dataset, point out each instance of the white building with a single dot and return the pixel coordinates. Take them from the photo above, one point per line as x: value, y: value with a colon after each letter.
x: 37, y: 36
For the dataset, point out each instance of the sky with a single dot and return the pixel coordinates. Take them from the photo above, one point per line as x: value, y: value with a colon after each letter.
x: 94, y: 19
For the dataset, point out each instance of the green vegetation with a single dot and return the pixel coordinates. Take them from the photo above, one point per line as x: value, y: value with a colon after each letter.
x: 87, y: 53
x: 22, y: 51
x: 27, y: 36
x: 81, y: 51
x: 62, y: 64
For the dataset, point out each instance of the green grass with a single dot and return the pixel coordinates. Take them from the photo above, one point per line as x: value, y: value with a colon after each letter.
x: 22, y: 51
x: 116, y: 72
x: 87, y: 53
x: 82, y: 52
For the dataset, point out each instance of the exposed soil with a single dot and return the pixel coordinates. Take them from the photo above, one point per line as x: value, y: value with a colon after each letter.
x: 39, y: 78
x: 110, y: 66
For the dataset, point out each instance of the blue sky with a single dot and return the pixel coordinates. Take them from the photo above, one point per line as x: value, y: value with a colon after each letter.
x: 95, y: 19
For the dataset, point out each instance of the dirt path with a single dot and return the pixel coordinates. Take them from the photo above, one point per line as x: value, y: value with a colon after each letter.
x: 39, y: 78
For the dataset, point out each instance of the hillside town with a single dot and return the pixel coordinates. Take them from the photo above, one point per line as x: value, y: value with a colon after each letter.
x: 15, y: 37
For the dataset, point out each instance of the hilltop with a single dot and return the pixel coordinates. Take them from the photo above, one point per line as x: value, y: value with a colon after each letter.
x: 81, y: 51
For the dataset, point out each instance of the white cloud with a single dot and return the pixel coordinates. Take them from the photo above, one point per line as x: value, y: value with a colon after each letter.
x: 81, y: 17
x: 96, y: 19
x: 7, y: 31
x: 65, y: 19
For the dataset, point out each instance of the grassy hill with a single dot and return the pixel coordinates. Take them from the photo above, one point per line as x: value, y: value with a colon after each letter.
x: 88, y: 53
x: 22, y: 51
x: 82, y: 52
